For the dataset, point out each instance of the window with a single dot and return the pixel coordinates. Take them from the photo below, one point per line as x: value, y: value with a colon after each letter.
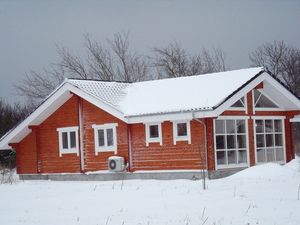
x: 105, y: 137
x: 262, y: 101
x: 181, y: 131
x: 68, y: 140
x: 269, y: 140
x: 239, y: 104
x: 231, y: 142
x: 153, y: 133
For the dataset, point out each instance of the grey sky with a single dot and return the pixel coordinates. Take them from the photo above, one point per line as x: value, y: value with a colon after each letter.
x: 29, y: 29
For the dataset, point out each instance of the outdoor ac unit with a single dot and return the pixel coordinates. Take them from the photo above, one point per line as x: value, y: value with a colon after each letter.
x: 116, y: 163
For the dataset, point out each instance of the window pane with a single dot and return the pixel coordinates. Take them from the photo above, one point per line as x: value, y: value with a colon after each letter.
x: 230, y: 126
x: 269, y: 140
x: 153, y: 131
x: 261, y: 155
x: 220, y: 126
x: 231, y: 157
x: 220, y: 141
x: 259, y: 124
x: 181, y: 129
x: 221, y: 158
x: 65, y: 140
x: 242, y: 156
x: 270, y: 155
x: 279, y: 154
x: 269, y: 126
x: 265, y: 102
x: 239, y: 103
x: 260, y: 140
x: 241, y: 126
x: 241, y: 141
x: 278, y: 125
x: 73, y: 139
x: 278, y: 140
x: 230, y: 141
x: 110, y: 137
x: 101, y: 138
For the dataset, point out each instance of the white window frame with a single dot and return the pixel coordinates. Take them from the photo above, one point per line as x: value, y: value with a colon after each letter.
x: 69, y: 150
x: 241, y: 165
x: 105, y: 148
x: 177, y: 138
x: 147, y: 132
x: 282, y: 118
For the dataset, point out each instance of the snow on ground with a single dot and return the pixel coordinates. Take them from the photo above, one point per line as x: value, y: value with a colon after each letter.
x: 266, y: 194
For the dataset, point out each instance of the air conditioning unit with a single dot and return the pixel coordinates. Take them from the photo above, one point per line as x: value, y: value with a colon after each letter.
x: 116, y: 163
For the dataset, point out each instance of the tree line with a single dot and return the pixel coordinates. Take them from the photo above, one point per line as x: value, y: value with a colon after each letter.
x: 10, y: 115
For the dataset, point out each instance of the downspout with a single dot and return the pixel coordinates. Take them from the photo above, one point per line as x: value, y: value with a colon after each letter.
x: 129, y: 147
x: 205, y: 147
x: 81, y: 149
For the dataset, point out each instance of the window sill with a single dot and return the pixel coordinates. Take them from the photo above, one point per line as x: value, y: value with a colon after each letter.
x: 97, y: 151
x: 233, y: 166
x: 63, y: 152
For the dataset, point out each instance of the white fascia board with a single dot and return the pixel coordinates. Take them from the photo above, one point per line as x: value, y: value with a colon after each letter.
x: 176, y: 116
x: 160, y: 117
x: 283, y: 90
x: 97, y: 102
x: 55, y: 100
x: 226, y: 105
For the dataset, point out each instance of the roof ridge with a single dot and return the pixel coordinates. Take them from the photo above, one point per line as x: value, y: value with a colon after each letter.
x: 104, y: 81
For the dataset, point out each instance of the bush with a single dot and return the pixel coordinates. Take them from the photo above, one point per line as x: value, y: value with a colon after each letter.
x: 7, y: 159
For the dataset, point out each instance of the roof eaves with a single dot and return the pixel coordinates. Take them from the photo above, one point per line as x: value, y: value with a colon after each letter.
x: 170, y: 112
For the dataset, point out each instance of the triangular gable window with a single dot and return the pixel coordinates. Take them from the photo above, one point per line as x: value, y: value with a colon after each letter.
x: 239, y: 103
x: 261, y: 101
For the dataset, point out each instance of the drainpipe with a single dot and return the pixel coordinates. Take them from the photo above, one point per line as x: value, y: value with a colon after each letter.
x: 81, y: 150
x: 205, y: 147
x: 129, y: 140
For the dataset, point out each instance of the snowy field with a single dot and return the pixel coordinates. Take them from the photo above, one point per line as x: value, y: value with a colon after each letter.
x: 266, y: 194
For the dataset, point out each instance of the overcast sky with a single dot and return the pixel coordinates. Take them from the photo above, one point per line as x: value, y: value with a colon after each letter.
x: 30, y: 29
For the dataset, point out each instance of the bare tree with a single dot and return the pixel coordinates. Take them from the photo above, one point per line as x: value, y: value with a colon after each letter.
x: 73, y: 65
x: 115, y: 61
x: 174, y: 61
x: 10, y: 115
x: 282, y: 60
x: 35, y: 86
x: 129, y: 65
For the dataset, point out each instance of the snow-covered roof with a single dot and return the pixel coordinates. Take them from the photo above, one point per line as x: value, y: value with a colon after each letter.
x: 198, y: 92
x: 111, y: 93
